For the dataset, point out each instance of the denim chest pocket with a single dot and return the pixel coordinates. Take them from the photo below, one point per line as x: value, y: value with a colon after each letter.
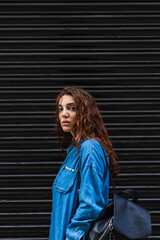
x: 66, y: 179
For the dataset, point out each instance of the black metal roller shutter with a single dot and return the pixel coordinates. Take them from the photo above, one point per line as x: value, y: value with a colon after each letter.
x: 111, y: 49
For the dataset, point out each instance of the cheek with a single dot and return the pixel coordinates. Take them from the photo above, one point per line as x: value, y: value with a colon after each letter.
x: 74, y: 118
x: 59, y: 117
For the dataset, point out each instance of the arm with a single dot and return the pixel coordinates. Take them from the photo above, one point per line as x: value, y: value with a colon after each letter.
x: 91, y: 200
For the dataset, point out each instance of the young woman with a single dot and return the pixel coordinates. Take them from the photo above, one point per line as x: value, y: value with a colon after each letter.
x: 80, y: 190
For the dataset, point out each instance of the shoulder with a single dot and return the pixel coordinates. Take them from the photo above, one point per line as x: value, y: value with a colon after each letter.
x: 90, y: 144
x: 92, y: 154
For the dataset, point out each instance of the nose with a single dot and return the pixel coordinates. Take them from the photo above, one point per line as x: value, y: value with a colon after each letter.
x: 65, y: 113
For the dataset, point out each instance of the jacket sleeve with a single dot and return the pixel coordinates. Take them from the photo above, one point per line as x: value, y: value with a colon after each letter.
x: 91, y: 198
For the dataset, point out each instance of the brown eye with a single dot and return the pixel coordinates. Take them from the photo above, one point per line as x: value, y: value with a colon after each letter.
x: 60, y: 109
x: 72, y: 108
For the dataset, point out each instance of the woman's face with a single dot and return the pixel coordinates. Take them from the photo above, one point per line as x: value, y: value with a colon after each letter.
x: 67, y: 113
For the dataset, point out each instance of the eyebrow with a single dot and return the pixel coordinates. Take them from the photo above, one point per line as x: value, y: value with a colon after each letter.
x: 68, y: 104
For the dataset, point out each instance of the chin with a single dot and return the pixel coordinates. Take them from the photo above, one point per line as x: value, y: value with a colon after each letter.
x: 66, y: 129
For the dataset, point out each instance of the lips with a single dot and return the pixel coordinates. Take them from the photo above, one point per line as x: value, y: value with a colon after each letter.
x: 65, y: 122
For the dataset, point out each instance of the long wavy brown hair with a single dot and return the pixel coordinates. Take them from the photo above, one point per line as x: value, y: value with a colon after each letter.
x: 89, y: 124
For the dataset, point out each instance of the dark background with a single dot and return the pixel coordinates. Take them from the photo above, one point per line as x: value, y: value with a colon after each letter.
x: 109, y: 48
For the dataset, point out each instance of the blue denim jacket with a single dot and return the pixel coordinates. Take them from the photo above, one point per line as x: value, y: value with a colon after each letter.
x: 73, y: 213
